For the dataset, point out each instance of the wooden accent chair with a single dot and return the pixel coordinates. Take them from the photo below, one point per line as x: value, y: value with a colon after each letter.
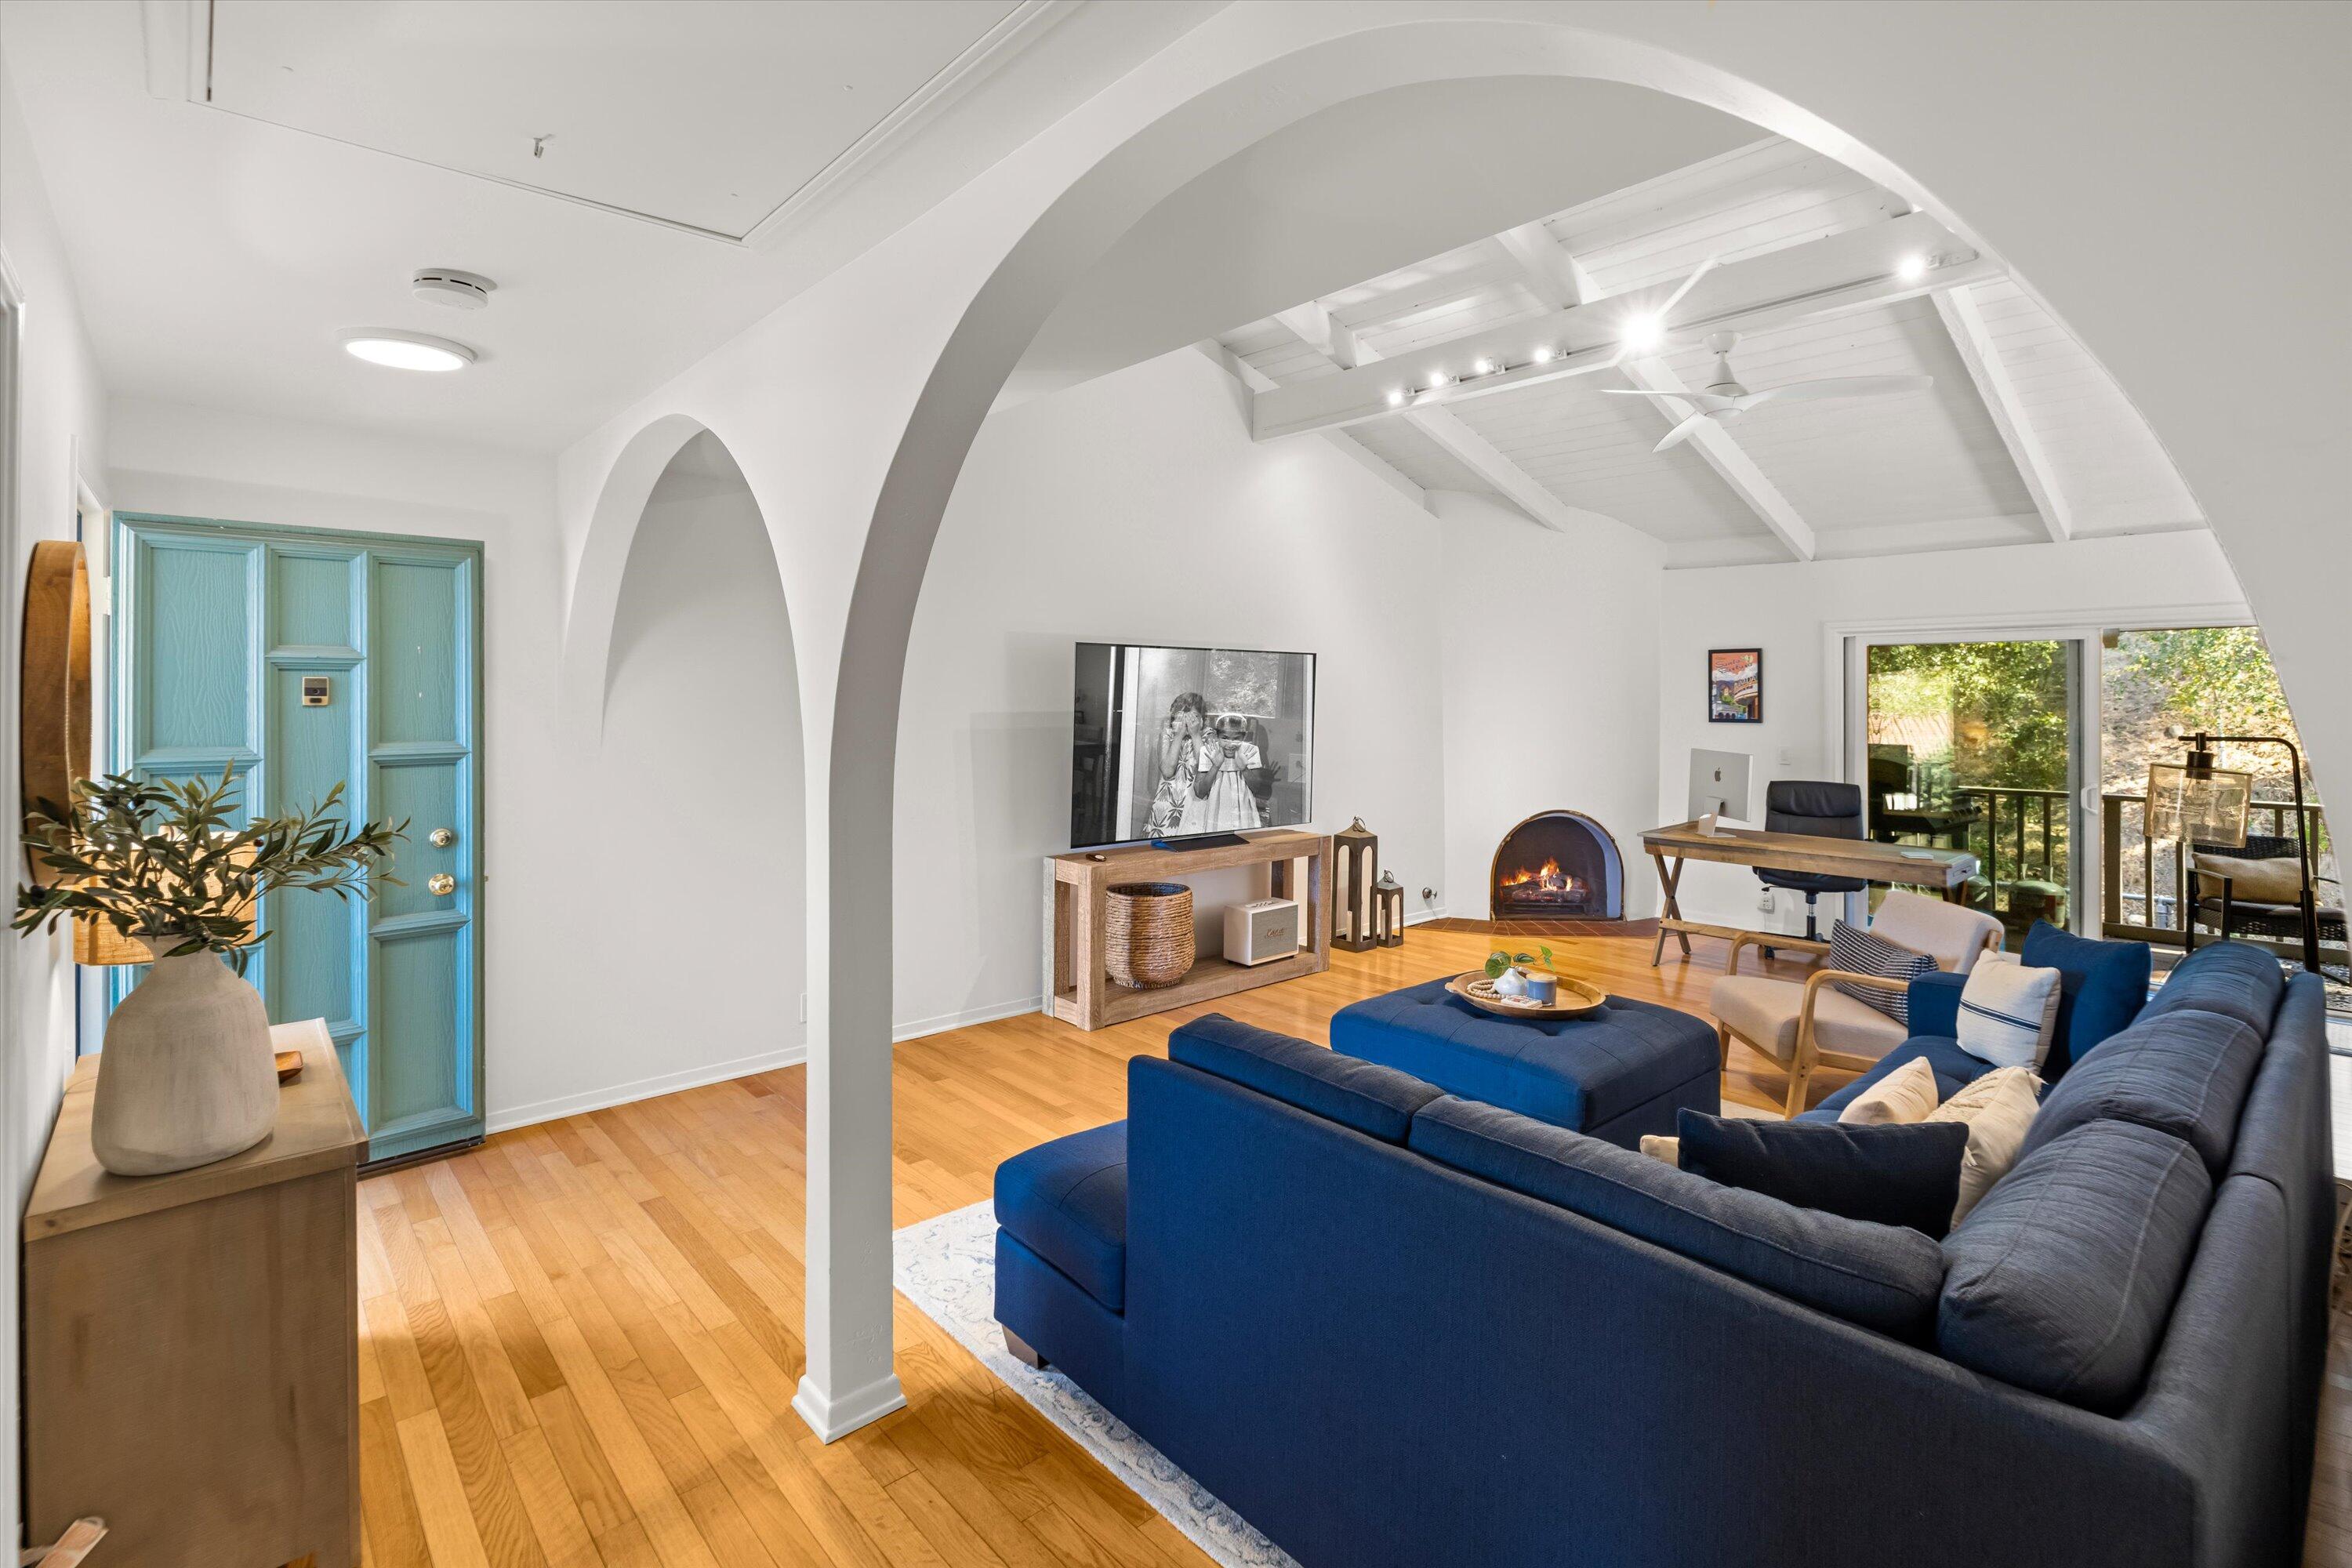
x: 1804, y: 1024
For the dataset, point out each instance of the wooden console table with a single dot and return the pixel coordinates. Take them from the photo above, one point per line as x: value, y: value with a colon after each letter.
x: 192, y: 1340
x: 1947, y: 870
x: 1077, y: 989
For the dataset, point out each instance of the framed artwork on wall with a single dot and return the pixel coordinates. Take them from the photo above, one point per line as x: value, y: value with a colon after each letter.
x: 1734, y: 686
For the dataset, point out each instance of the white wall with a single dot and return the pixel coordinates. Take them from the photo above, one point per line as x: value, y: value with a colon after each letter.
x: 693, y: 810
x: 1551, y: 686
x: 61, y: 442
x: 1136, y: 509
x: 2179, y: 579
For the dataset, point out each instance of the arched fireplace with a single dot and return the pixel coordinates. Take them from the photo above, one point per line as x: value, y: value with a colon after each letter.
x: 1558, y: 865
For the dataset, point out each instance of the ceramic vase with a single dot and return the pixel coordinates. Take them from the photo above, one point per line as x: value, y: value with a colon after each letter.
x: 187, y: 1076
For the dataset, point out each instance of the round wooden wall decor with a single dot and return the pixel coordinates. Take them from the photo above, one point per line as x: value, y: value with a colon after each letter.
x: 54, y: 738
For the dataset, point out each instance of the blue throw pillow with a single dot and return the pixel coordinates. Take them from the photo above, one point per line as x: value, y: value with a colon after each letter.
x: 2102, y: 988
x: 1905, y: 1174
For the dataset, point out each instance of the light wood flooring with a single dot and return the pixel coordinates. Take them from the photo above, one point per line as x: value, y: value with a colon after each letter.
x: 580, y: 1341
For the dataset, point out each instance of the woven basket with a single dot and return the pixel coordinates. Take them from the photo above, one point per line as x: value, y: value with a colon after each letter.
x: 1148, y: 934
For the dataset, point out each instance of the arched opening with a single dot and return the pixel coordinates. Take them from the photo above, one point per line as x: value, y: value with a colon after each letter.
x: 699, y: 762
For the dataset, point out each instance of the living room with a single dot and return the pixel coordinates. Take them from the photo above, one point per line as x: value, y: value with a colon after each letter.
x: 712, y: 637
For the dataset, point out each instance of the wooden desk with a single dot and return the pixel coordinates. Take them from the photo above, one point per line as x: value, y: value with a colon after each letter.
x: 1947, y: 870
x: 192, y: 1340
x: 1079, y: 991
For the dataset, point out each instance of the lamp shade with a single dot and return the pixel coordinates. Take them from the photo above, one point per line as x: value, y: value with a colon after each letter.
x: 2197, y: 804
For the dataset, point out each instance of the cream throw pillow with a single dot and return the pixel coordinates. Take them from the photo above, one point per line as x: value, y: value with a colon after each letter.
x: 1659, y: 1147
x: 2277, y: 879
x: 1907, y: 1094
x: 1998, y: 1108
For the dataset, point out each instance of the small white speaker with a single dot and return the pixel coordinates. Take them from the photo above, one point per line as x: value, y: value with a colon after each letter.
x: 1262, y: 932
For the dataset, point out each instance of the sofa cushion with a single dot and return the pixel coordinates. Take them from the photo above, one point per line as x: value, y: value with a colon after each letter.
x: 1364, y: 1095
x: 2062, y: 1278
x: 2236, y: 979
x: 2185, y: 1073
x: 1904, y: 1094
x: 2007, y: 1011
x: 1879, y: 1277
x: 1952, y: 1066
x: 1581, y: 1073
x: 1066, y: 1201
x: 1895, y: 1173
x: 2102, y: 988
x: 1998, y: 1110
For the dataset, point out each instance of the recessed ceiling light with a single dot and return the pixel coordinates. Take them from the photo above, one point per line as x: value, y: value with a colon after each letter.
x: 407, y: 351
x: 1912, y: 268
x: 1644, y: 333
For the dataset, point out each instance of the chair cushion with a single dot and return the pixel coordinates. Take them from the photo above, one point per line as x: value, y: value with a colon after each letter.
x: 2272, y: 879
x: 1952, y: 933
x: 2062, y: 1278
x: 1952, y: 1066
x: 1879, y: 1277
x: 2185, y: 1073
x: 1067, y: 1201
x: 2102, y: 987
x: 1868, y: 953
x: 1763, y: 1012
x: 1370, y: 1099
x: 1895, y: 1173
x: 2236, y: 979
x: 2008, y: 1013
x: 1581, y: 1073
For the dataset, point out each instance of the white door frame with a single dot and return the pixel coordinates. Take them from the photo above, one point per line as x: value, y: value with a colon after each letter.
x: 1842, y: 662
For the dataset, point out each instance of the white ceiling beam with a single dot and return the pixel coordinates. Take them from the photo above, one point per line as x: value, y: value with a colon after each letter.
x: 1837, y: 273
x: 1319, y: 330
x: 1461, y: 443
x: 1726, y: 456
x: 1346, y: 444
x: 1964, y: 318
x: 1552, y: 273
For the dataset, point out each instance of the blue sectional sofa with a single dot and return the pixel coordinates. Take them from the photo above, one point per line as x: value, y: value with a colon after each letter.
x: 1394, y: 1327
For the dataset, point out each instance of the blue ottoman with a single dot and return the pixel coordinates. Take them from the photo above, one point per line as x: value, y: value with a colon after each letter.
x: 1618, y: 1074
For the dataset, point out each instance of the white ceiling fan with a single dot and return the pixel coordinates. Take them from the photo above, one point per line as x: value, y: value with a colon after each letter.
x: 1724, y: 398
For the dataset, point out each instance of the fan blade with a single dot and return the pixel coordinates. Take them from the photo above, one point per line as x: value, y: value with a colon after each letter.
x: 1713, y: 403
x: 1682, y: 432
x: 1843, y: 387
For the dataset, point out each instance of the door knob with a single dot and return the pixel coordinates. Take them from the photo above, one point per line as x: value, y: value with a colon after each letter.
x: 441, y: 838
x: 441, y: 884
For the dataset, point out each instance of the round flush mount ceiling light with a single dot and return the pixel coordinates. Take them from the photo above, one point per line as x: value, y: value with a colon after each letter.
x: 448, y: 286
x: 407, y: 351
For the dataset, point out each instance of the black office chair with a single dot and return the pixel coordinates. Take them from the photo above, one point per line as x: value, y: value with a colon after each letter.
x: 1824, y: 810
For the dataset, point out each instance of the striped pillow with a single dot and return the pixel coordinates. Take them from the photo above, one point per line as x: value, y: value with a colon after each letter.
x: 1868, y: 953
x: 2007, y: 1014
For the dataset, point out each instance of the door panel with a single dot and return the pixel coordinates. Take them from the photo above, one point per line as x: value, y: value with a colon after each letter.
x: 220, y: 624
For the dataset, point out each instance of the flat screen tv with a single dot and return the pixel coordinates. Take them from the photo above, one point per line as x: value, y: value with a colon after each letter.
x: 1184, y: 742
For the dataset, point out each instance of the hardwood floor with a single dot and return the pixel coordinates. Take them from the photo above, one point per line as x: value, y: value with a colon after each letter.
x: 580, y: 1341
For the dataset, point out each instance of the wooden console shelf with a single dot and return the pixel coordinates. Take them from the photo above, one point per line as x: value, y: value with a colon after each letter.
x: 1077, y: 989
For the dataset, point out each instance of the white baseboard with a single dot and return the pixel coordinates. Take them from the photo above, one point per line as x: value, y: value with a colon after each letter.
x: 832, y: 1420
x: 916, y: 1029
x: 530, y: 1115
x: 1425, y: 916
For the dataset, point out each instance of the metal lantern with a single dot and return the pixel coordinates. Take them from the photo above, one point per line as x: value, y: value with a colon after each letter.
x: 1355, y: 852
x: 1388, y: 911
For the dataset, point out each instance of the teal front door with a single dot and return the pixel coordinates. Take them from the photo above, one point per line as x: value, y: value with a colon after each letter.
x: 305, y: 659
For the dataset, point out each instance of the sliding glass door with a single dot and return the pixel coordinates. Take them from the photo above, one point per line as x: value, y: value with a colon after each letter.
x: 1979, y: 744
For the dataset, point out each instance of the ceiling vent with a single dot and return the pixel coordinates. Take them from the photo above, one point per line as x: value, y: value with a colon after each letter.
x: 448, y: 286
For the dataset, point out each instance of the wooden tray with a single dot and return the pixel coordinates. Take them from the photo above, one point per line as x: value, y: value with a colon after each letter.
x: 1576, y: 998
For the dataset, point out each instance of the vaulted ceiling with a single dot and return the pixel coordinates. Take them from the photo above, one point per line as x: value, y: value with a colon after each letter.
x: 2021, y: 438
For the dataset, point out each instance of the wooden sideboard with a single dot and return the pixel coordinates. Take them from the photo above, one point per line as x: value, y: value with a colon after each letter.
x: 1079, y: 991
x: 191, y: 1370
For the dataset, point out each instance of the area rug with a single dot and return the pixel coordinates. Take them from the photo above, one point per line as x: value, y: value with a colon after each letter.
x: 947, y: 1266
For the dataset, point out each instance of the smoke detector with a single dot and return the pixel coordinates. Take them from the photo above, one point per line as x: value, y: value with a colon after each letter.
x: 448, y: 286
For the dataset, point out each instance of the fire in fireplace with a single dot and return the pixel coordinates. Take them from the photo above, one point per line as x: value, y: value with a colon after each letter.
x: 1558, y: 865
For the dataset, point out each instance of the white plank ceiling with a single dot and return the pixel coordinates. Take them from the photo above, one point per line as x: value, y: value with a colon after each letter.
x: 1925, y: 471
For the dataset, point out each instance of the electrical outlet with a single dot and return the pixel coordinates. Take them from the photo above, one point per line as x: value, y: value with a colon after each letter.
x: 1764, y: 900
x: 1788, y: 756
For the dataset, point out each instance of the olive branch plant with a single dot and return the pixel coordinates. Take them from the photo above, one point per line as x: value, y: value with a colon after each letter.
x: 158, y: 857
